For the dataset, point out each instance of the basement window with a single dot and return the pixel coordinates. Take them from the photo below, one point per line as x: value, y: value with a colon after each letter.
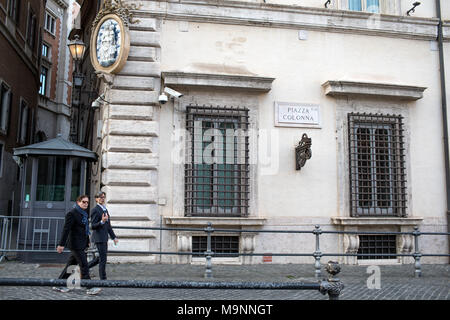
x: 225, y: 246
x: 371, y: 246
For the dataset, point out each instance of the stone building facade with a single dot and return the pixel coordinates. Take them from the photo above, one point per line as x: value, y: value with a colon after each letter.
x: 360, y: 78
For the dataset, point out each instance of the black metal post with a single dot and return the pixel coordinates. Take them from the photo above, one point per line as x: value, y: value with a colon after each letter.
x: 317, y: 254
x: 208, y: 254
x: 3, y: 238
x: 440, y: 40
x: 417, y: 255
x: 332, y: 287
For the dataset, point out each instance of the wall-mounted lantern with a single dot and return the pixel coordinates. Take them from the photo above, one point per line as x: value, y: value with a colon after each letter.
x: 77, y: 48
x: 303, y: 152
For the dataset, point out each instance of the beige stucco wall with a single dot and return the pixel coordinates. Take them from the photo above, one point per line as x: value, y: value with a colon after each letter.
x: 301, y: 49
x: 300, y: 67
x: 292, y: 198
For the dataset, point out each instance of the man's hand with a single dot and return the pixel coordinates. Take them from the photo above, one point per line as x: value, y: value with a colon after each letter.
x: 59, y: 249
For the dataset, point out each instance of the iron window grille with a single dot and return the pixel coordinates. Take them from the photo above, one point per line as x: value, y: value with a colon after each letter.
x: 377, y: 244
x: 377, y: 165
x: 217, y: 161
x: 225, y: 245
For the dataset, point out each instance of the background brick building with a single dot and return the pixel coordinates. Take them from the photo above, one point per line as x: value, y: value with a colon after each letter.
x: 20, y: 26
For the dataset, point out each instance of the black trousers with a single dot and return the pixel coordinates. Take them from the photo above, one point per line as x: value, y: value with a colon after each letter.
x: 77, y: 257
x: 102, y: 248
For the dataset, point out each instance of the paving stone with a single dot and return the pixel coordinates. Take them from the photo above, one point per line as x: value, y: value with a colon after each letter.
x: 396, y: 283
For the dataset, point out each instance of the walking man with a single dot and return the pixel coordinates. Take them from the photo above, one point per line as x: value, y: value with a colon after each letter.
x: 101, y: 227
x: 75, y: 235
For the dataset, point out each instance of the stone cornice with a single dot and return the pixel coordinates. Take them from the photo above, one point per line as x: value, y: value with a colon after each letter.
x: 62, y: 3
x: 249, y: 83
x: 364, y: 221
x: 356, y: 88
x: 295, y: 17
x: 216, y: 221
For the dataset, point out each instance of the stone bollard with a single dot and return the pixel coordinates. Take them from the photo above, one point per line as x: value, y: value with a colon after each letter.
x: 333, y: 286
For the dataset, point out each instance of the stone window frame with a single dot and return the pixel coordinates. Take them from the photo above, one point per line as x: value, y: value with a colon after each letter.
x: 32, y: 29
x: 44, y: 90
x: 13, y: 10
x: 222, y: 90
x: 23, y: 121
x: 179, y: 170
x: 370, y: 97
x: 385, y: 7
x: 53, y: 22
x: 199, y: 88
x: 5, y: 113
x: 2, y: 157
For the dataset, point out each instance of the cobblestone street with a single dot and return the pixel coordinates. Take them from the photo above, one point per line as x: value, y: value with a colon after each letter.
x: 396, y: 282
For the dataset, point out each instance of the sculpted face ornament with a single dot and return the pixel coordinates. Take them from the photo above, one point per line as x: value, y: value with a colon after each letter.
x: 303, y: 152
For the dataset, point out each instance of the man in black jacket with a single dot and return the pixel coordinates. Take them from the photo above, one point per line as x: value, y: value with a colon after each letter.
x: 101, y: 227
x: 75, y: 235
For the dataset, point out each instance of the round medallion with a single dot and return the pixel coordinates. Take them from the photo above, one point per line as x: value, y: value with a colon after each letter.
x: 110, y: 44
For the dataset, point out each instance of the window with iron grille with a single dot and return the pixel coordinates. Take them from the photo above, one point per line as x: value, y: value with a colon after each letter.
x: 377, y: 165
x: 377, y: 244
x: 216, y: 169
x: 226, y: 245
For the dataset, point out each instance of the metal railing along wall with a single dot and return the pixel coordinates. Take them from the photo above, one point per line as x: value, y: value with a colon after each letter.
x: 29, y: 234
x: 332, y: 286
x: 41, y: 234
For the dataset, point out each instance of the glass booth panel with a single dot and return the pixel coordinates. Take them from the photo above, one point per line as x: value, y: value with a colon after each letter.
x: 76, y: 179
x: 51, y: 179
x: 28, y: 176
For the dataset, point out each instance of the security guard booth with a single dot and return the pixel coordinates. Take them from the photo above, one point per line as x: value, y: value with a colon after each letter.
x: 54, y: 174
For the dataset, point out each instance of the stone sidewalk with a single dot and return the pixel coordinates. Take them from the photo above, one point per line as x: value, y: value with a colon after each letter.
x: 395, y: 282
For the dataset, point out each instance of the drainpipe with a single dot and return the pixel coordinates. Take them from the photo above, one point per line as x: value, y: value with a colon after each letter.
x: 440, y: 40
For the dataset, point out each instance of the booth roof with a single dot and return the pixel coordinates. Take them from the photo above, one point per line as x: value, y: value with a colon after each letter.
x: 56, y: 147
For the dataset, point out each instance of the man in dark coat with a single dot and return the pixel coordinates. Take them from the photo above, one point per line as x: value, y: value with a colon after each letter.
x: 75, y: 235
x: 101, y: 227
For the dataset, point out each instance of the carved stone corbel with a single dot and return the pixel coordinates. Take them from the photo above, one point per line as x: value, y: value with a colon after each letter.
x: 405, y: 245
x: 247, y: 246
x: 184, y: 244
x: 106, y: 78
x: 351, y: 246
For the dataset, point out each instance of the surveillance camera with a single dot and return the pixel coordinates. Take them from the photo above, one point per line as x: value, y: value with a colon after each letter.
x: 172, y: 92
x: 95, y: 104
x: 163, y: 99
